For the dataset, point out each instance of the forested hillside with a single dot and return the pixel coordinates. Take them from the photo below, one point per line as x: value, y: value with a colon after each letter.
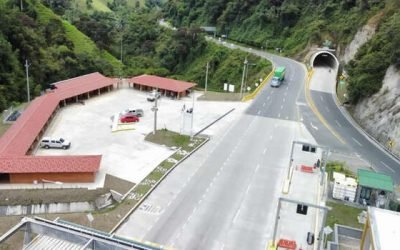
x: 297, y: 25
x: 55, y: 50
x: 60, y: 39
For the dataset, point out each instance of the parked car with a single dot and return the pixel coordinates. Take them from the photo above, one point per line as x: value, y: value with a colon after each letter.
x: 153, y: 96
x: 129, y: 118
x: 135, y: 112
x: 48, y: 142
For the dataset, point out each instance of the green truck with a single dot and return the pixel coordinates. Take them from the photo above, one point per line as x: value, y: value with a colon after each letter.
x: 279, y: 76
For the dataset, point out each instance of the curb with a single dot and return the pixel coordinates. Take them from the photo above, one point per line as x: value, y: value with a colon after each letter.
x: 258, y: 89
x: 364, y: 133
x: 122, y: 221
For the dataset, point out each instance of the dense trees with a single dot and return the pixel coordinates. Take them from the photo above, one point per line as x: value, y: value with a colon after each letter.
x: 37, y: 35
x: 369, y: 67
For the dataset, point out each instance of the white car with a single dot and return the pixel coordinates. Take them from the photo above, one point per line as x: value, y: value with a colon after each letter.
x: 135, y: 112
x: 153, y: 96
x: 48, y: 142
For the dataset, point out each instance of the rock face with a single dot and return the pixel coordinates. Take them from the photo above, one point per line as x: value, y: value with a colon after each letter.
x: 379, y: 115
x: 362, y: 36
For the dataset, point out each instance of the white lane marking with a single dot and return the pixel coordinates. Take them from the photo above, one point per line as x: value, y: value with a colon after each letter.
x: 281, y: 106
x: 314, y: 127
x: 356, y: 141
x: 321, y: 98
x: 338, y: 123
x: 247, y: 190
x: 265, y: 150
x: 327, y: 109
x: 270, y: 137
x: 236, y: 215
x: 264, y: 104
x: 279, y: 115
x: 268, y: 98
x: 287, y: 87
x: 391, y: 169
x: 258, y: 166
x: 259, y: 112
x: 287, y: 117
x: 283, y: 99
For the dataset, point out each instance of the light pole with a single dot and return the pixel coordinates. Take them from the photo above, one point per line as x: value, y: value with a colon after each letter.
x: 205, y: 89
x: 27, y: 79
x: 243, y: 75
x: 155, y: 109
x: 247, y: 72
x: 192, y: 113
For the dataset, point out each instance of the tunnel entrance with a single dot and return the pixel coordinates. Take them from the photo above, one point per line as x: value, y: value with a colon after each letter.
x: 324, y: 59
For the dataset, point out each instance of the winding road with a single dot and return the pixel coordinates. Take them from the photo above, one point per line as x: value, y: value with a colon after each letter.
x: 225, y: 195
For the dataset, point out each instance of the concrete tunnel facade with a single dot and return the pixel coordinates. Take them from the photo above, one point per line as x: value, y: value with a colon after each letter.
x: 324, y: 58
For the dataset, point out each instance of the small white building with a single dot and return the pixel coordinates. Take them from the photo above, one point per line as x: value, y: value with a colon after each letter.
x: 344, y: 188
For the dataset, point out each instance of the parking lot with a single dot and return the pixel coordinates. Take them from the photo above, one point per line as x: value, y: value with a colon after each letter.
x: 125, y: 153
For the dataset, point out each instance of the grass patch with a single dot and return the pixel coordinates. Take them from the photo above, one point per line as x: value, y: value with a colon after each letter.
x: 342, y: 93
x: 343, y: 214
x: 168, y: 138
x: 340, y: 167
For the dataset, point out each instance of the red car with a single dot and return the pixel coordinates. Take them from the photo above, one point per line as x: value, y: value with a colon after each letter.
x: 129, y: 118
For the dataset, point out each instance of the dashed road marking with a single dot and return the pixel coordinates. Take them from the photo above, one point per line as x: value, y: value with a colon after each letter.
x: 281, y: 106
x: 322, y: 99
x: 387, y: 166
x: 259, y: 112
x: 264, y: 104
x: 338, y: 123
x: 359, y: 144
x: 279, y: 115
x: 265, y: 150
x: 314, y: 127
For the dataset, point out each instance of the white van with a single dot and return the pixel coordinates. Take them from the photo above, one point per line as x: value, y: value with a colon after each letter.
x: 48, y: 142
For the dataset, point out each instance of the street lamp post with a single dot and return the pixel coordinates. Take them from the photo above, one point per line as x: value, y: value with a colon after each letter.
x: 205, y: 89
x: 27, y: 80
x: 243, y: 75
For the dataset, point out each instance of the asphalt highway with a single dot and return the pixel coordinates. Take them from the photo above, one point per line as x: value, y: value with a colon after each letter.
x: 231, y: 198
x: 349, y: 139
x: 225, y: 195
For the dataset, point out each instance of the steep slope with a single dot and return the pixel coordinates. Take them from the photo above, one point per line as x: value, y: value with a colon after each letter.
x: 54, y: 50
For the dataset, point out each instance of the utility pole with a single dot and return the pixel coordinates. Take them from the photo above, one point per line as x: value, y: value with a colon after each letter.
x: 122, y: 35
x: 243, y: 75
x: 205, y: 91
x: 27, y: 79
x: 22, y: 6
x: 191, y: 124
x: 155, y: 109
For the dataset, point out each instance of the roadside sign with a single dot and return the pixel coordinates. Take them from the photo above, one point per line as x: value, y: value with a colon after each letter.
x: 90, y: 217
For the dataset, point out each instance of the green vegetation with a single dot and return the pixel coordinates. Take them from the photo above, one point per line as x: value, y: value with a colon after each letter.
x: 55, y: 50
x: 343, y: 214
x: 339, y: 167
x: 291, y: 25
x: 368, y: 68
x: 168, y: 138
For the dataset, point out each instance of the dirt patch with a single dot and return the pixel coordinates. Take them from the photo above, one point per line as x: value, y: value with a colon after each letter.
x: 218, y: 96
x: 117, y: 184
x: 43, y: 196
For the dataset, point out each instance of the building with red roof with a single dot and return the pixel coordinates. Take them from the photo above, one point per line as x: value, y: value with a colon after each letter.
x: 16, y: 163
x: 166, y: 86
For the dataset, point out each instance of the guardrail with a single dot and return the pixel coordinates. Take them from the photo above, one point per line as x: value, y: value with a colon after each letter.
x: 258, y: 89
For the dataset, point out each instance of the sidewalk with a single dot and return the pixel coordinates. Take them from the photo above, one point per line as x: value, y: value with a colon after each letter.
x: 304, y: 187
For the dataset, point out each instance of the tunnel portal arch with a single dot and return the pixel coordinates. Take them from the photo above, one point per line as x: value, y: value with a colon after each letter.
x: 324, y: 58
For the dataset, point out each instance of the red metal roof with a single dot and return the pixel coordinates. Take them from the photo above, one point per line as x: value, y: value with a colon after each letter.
x: 50, y: 164
x: 162, y: 83
x: 21, y: 135
x: 82, y: 84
